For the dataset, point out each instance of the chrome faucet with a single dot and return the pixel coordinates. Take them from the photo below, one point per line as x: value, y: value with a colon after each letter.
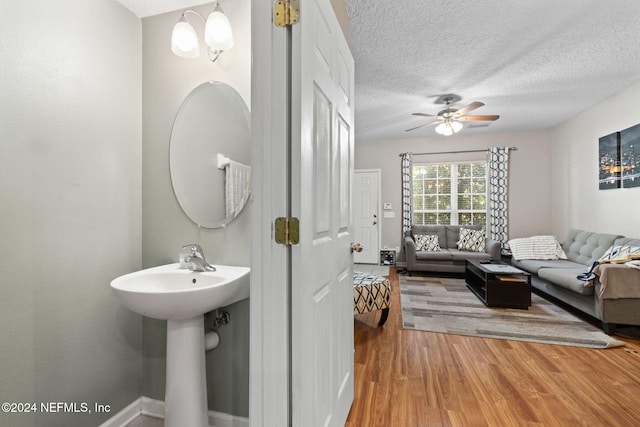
x: 197, y: 259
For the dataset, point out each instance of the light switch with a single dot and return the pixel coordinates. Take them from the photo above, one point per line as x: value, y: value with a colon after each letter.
x: 389, y: 214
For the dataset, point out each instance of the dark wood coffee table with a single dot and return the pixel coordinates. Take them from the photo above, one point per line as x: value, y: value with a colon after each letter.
x: 499, y: 284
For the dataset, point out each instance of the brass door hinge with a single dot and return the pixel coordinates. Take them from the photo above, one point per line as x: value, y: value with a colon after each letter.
x: 286, y: 12
x: 287, y: 231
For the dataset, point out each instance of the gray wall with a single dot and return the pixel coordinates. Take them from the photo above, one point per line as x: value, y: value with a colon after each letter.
x: 70, y: 205
x: 577, y: 201
x: 167, y: 80
x: 529, y: 199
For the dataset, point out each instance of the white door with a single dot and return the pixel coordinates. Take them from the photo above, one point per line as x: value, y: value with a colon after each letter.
x: 301, y: 295
x: 366, y: 215
x: 321, y: 188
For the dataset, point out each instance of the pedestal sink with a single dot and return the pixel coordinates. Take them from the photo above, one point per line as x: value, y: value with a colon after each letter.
x: 182, y: 297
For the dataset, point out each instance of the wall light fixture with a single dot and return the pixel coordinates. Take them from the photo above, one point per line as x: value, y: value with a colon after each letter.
x: 218, y: 35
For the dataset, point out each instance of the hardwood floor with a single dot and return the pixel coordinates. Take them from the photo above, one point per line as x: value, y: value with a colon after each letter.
x: 406, y: 378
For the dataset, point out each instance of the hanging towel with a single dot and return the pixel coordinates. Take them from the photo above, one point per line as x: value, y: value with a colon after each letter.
x: 238, y: 178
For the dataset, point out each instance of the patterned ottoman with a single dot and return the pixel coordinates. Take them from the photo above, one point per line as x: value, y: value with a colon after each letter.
x: 371, y: 293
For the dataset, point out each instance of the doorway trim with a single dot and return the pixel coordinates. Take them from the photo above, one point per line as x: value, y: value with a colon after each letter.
x: 269, y: 376
x: 378, y: 173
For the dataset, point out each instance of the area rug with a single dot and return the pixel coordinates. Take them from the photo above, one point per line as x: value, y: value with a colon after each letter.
x: 445, y: 305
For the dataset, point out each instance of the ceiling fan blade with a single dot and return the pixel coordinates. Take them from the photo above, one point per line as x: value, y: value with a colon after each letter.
x: 423, y: 115
x: 468, y: 108
x: 423, y: 125
x: 478, y: 118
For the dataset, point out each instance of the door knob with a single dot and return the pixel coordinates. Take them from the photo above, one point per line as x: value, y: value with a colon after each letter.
x: 356, y: 247
x: 375, y: 222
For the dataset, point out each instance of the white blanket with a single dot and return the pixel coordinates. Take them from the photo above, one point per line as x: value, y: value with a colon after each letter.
x: 536, y: 247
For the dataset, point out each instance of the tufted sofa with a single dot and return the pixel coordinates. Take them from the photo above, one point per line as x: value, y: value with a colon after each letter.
x: 612, y: 296
x: 449, y: 259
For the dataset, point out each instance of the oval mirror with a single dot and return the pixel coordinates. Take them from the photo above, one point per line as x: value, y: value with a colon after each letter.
x: 209, y: 155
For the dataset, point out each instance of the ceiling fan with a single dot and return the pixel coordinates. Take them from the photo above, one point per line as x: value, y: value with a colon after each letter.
x: 448, y: 120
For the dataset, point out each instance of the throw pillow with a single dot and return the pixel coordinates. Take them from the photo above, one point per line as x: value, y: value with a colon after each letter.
x: 559, y: 251
x: 471, y: 240
x: 427, y: 242
x: 619, y: 252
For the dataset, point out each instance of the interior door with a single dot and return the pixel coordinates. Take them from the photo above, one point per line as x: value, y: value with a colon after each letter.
x: 366, y: 212
x: 321, y: 188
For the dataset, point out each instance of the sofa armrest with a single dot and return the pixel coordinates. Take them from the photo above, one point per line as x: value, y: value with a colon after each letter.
x: 617, y: 281
x: 494, y: 249
x: 410, y: 251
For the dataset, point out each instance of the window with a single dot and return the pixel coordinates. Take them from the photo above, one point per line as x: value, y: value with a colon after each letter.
x: 450, y: 193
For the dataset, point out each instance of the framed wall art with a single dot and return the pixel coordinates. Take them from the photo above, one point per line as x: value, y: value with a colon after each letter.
x: 630, y: 156
x: 609, y: 168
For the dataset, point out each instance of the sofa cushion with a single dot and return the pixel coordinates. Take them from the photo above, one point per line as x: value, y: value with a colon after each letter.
x: 533, y: 265
x: 459, y: 255
x: 438, y: 230
x: 453, y: 234
x: 441, y: 255
x: 585, y: 247
x: 472, y: 240
x: 627, y: 241
x: 566, y: 278
x: 427, y: 242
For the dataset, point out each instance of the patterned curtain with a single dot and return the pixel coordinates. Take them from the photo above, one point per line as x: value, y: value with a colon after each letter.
x: 498, y: 160
x: 407, y: 203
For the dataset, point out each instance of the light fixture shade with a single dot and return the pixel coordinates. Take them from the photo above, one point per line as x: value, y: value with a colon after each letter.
x: 444, y: 129
x: 456, y: 126
x: 217, y: 32
x: 448, y: 127
x: 184, y: 41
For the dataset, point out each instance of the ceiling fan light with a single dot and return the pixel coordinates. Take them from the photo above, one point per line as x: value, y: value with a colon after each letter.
x: 456, y: 126
x: 445, y: 129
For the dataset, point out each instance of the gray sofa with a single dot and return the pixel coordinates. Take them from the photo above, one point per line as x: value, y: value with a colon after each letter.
x: 449, y: 259
x: 613, y: 296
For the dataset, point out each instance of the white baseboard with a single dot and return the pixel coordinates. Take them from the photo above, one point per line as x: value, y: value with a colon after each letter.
x: 155, y: 408
x: 220, y: 419
x: 124, y: 417
x: 151, y: 407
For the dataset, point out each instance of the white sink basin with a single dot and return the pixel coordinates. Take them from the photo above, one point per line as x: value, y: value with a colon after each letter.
x: 182, y: 297
x: 169, y: 292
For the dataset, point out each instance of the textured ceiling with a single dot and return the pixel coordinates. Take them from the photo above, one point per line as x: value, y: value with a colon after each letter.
x: 535, y: 63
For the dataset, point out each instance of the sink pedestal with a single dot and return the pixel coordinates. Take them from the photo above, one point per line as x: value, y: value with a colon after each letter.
x: 186, y: 389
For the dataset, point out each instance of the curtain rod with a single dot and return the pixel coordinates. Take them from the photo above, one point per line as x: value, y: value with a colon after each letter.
x: 455, y: 152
